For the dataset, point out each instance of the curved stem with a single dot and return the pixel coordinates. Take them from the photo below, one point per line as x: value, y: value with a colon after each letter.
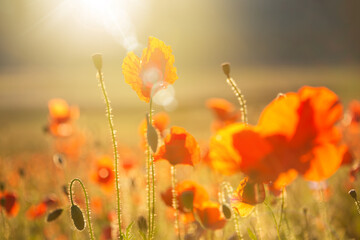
x: 114, y: 142
x: 174, y: 201
x: 87, y: 204
x: 152, y: 177
x: 241, y: 99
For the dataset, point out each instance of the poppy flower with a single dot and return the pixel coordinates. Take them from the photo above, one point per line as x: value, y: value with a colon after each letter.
x: 224, y: 111
x: 210, y: 216
x: 354, y: 109
x: 103, y: 173
x: 9, y: 202
x: 246, y: 196
x: 36, y: 211
x: 160, y: 122
x: 189, y: 195
x: 295, y: 134
x: 61, y: 116
x: 153, y: 71
x: 179, y: 148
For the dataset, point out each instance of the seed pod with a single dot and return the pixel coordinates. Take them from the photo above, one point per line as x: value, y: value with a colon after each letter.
x: 77, y: 217
x: 54, y: 215
x: 151, y: 134
x: 353, y: 194
x: 187, y: 199
x: 226, y: 69
x: 226, y: 211
x: 141, y: 222
x: 97, y: 60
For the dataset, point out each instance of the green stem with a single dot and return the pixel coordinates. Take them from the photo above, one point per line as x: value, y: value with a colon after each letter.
x: 274, y: 218
x: 282, y: 207
x: 174, y: 201
x: 241, y: 99
x: 114, y: 142
x: 87, y: 204
x: 152, y: 177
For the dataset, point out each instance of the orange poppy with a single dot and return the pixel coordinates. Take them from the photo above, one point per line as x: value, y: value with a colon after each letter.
x: 246, y: 196
x: 103, y: 173
x: 179, y: 148
x: 153, y: 71
x: 189, y: 195
x: 354, y: 109
x: 224, y: 111
x: 210, y: 216
x: 295, y: 134
x: 61, y: 115
x: 36, y: 211
x: 9, y: 202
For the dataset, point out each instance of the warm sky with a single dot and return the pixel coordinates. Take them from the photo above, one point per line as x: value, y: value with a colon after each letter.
x: 60, y: 32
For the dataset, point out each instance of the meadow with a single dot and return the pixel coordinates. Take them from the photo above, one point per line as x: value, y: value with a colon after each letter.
x: 213, y: 167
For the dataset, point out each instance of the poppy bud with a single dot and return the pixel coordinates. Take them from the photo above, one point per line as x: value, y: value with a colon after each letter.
x: 97, y: 60
x: 54, y: 215
x: 151, y: 134
x: 77, y: 217
x: 141, y: 222
x: 226, y: 211
x: 226, y: 69
x: 353, y: 194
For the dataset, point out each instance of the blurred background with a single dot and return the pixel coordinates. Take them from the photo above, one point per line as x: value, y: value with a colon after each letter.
x: 273, y: 46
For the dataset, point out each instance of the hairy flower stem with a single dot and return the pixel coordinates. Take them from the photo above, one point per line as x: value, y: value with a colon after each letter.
x: 114, y: 142
x: 174, y: 201
x: 150, y: 171
x: 91, y: 233
x: 236, y: 90
x: 225, y: 192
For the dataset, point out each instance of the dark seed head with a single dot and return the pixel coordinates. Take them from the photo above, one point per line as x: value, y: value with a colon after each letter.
x: 353, y: 194
x: 54, y: 215
x: 77, y: 217
x: 226, y: 211
x: 141, y: 222
x: 187, y: 199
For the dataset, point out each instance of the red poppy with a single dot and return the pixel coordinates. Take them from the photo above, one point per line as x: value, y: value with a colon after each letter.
x: 179, y: 148
x: 9, y: 202
x: 189, y: 195
x: 36, y: 211
x: 153, y: 71
x: 224, y: 111
x: 210, y: 216
x: 103, y: 173
x: 295, y: 133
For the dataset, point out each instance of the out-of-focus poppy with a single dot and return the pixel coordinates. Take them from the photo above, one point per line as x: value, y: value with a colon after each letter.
x: 153, y: 71
x: 246, y: 196
x: 224, y: 111
x: 295, y: 133
x: 36, y: 211
x: 161, y: 121
x: 72, y: 146
x: 9, y: 202
x: 189, y: 195
x: 179, y: 148
x: 61, y: 116
x: 103, y: 173
x: 210, y: 216
x: 128, y: 159
x: 354, y: 109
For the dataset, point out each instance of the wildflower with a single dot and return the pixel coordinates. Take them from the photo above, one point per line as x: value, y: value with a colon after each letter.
x: 9, y: 202
x: 224, y: 111
x: 36, y: 211
x: 295, y: 134
x: 103, y: 173
x: 210, y: 216
x: 189, y: 195
x: 179, y: 148
x: 153, y: 71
